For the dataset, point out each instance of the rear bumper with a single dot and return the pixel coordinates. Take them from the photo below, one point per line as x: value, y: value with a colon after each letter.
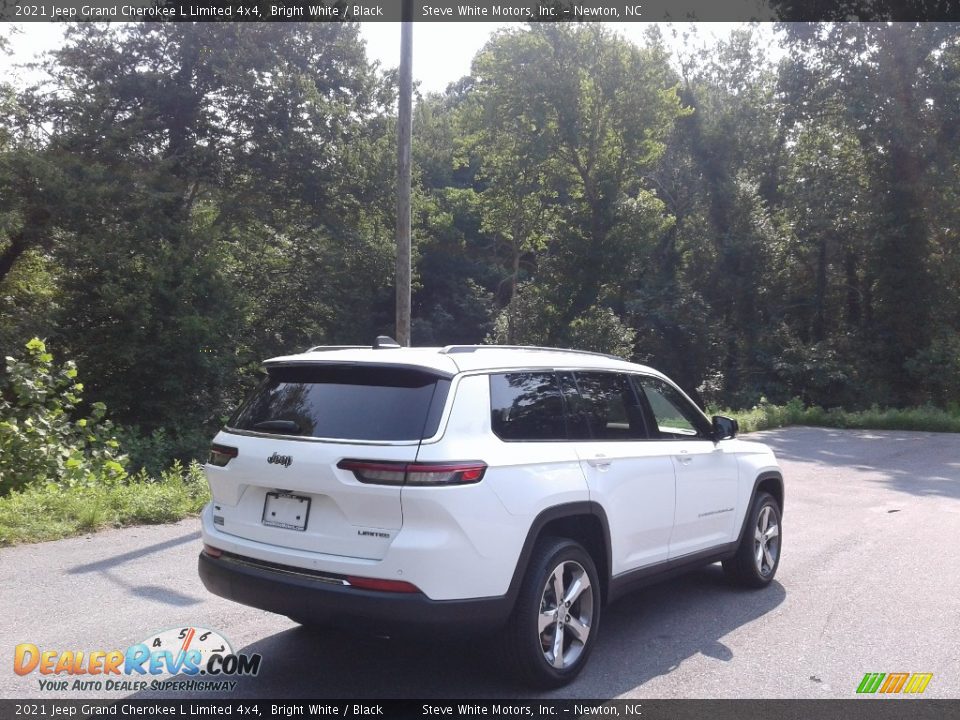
x: 306, y: 598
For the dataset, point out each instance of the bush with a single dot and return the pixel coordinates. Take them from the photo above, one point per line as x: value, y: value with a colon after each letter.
x: 936, y: 369
x: 41, y: 439
x: 61, y: 474
x: 49, y: 512
x: 766, y: 416
x: 155, y: 451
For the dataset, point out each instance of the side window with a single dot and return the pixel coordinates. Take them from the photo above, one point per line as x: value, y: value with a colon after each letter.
x: 526, y: 406
x: 675, y: 416
x: 602, y: 406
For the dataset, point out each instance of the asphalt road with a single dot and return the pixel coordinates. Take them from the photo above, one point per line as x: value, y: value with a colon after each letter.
x: 869, y: 582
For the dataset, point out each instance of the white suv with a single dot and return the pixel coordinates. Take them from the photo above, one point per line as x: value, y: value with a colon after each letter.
x: 484, y: 486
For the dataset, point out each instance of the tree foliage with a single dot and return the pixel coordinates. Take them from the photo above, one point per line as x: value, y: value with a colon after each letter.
x: 179, y: 201
x: 215, y: 194
x: 566, y: 120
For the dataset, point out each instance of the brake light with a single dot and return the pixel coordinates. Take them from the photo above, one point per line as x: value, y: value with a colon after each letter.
x: 220, y: 455
x: 382, y: 585
x: 375, y: 472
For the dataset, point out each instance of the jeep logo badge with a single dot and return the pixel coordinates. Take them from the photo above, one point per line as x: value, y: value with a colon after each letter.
x: 278, y: 459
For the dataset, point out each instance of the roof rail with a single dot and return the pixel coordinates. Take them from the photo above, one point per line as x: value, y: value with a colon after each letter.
x: 453, y: 349
x: 382, y: 342
x: 325, y: 348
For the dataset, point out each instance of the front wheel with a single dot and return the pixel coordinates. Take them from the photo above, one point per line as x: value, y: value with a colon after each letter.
x: 554, y: 624
x: 758, y: 555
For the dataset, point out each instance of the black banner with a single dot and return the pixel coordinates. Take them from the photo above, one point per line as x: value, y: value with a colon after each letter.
x: 855, y: 709
x: 480, y: 10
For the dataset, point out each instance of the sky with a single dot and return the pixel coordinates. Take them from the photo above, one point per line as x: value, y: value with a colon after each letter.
x: 442, y: 52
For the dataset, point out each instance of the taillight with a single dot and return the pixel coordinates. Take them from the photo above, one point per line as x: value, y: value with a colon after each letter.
x: 379, y: 473
x: 382, y: 585
x: 375, y: 472
x: 220, y: 455
x: 212, y: 551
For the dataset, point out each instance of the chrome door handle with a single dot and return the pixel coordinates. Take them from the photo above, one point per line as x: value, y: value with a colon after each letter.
x: 600, y: 462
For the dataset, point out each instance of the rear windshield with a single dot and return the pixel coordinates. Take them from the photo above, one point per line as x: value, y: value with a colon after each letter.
x: 344, y: 402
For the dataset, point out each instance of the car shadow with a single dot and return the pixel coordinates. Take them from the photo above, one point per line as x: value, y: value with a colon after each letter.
x: 651, y: 632
x: 114, y: 560
x: 645, y: 635
x: 110, y: 569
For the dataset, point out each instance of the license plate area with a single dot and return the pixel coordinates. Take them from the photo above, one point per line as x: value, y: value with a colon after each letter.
x: 285, y: 510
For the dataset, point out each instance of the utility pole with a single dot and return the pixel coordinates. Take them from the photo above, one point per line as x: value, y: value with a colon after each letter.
x: 404, y: 132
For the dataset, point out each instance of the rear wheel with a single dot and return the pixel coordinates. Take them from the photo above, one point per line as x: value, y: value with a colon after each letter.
x: 554, y: 624
x: 758, y: 556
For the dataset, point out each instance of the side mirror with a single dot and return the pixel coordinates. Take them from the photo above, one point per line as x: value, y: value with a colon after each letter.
x: 724, y: 428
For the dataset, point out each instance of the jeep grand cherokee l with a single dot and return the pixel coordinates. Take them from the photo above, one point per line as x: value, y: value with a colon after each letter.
x: 513, y: 489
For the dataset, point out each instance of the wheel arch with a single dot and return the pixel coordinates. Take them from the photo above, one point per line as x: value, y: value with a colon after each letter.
x: 585, y: 523
x: 771, y: 482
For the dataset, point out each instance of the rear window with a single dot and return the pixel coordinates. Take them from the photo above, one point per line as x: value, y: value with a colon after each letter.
x: 345, y: 402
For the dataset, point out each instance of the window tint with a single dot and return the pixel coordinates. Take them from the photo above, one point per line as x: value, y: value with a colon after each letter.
x: 674, y: 415
x: 526, y: 406
x: 602, y: 406
x: 345, y: 403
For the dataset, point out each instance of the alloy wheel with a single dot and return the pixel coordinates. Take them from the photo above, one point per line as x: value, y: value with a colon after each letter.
x: 766, y: 541
x: 566, y: 614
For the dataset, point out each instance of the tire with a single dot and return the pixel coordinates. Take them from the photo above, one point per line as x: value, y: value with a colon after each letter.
x: 531, y: 646
x: 758, y: 555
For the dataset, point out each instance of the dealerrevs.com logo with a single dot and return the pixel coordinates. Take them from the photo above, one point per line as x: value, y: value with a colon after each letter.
x: 893, y: 683
x: 202, y: 659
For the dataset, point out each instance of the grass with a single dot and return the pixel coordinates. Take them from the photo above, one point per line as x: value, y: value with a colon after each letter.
x: 766, y: 416
x: 51, y: 512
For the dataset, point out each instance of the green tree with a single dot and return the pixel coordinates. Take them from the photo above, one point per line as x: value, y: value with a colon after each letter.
x: 887, y: 83
x: 710, y: 298
x: 567, y: 121
x: 226, y: 187
x: 455, y: 272
x: 29, y: 187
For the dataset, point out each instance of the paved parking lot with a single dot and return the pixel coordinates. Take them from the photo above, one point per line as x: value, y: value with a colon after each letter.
x: 869, y: 582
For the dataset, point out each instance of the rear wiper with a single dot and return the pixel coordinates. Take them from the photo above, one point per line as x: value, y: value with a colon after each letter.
x: 284, y: 427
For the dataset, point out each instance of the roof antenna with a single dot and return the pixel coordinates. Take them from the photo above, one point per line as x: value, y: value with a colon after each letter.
x: 385, y: 341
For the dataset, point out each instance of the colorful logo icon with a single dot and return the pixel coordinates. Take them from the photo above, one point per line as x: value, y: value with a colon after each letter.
x: 910, y: 683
